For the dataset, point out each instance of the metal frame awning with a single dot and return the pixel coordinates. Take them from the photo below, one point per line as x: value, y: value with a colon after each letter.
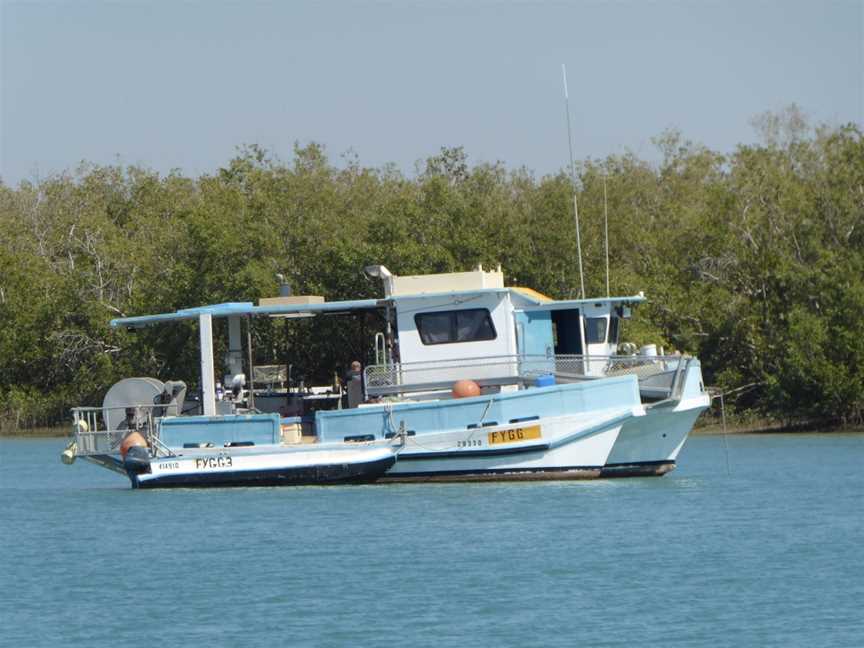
x: 230, y: 309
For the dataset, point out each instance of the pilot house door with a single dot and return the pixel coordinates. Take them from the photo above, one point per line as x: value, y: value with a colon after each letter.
x: 534, y: 342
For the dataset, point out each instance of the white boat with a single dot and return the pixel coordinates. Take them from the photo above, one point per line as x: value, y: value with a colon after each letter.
x: 472, y: 381
x: 253, y: 466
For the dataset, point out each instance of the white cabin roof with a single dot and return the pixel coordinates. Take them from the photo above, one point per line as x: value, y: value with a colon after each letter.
x: 479, y: 279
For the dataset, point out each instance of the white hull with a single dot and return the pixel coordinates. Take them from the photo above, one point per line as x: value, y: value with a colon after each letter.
x: 579, y: 458
x: 262, y: 466
x: 646, y: 444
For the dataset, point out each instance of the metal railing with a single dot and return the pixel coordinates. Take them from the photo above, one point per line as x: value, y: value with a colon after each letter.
x: 93, y: 436
x: 615, y: 365
x: 659, y: 376
x: 426, y: 375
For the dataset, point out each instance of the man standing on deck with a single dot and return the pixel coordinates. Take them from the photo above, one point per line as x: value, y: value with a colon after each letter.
x: 354, y: 384
x: 355, y: 373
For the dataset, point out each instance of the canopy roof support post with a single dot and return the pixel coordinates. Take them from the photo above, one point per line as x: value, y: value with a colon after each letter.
x: 389, y: 336
x: 208, y: 384
x: 251, y: 401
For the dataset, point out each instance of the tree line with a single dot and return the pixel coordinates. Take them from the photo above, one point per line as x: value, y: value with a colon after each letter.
x: 751, y: 260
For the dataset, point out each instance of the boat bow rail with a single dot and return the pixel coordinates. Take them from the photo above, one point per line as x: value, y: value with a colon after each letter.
x: 93, y: 438
x: 660, y: 377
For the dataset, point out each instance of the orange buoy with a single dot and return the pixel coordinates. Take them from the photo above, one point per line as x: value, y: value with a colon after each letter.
x: 466, y: 389
x: 132, y: 440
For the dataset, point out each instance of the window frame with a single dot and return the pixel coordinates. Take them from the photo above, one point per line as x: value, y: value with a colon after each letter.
x: 614, y: 327
x: 605, y: 338
x: 453, y: 326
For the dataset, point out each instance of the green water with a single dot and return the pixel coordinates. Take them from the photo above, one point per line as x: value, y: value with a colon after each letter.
x: 769, y: 555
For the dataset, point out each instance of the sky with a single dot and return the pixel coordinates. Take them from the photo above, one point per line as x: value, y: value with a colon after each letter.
x: 181, y: 85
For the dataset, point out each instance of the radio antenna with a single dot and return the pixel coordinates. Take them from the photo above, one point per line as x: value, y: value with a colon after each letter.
x: 606, y: 230
x: 573, y: 176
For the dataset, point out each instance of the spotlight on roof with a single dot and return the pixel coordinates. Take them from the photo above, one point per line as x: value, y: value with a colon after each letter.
x: 380, y: 272
x: 377, y: 271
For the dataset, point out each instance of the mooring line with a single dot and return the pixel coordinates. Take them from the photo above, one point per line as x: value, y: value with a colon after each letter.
x: 725, y: 435
x: 721, y: 395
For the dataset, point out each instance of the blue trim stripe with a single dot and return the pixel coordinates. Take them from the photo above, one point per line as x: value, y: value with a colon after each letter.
x: 451, y: 454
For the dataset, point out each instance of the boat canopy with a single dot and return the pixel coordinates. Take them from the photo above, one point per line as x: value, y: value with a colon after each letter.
x: 229, y: 309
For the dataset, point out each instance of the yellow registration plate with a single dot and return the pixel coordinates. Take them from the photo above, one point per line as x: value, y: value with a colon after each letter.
x: 515, y: 435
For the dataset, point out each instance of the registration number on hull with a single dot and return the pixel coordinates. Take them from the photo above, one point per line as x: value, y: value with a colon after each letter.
x: 219, y: 461
x: 515, y: 435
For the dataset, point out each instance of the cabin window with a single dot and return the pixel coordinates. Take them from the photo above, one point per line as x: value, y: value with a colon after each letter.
x: 614, y: 323
x: 595, y: 330
x: 447, y: 327
x: 435, y: 328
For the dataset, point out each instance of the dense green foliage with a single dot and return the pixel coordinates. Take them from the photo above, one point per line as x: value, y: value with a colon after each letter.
x: 753, y: 261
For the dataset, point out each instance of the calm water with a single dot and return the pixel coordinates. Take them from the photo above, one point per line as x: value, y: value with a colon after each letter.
x: 769, y: 555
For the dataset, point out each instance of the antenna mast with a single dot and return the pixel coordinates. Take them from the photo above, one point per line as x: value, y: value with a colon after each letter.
x: 606, y: 228
x: 573, y: 175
